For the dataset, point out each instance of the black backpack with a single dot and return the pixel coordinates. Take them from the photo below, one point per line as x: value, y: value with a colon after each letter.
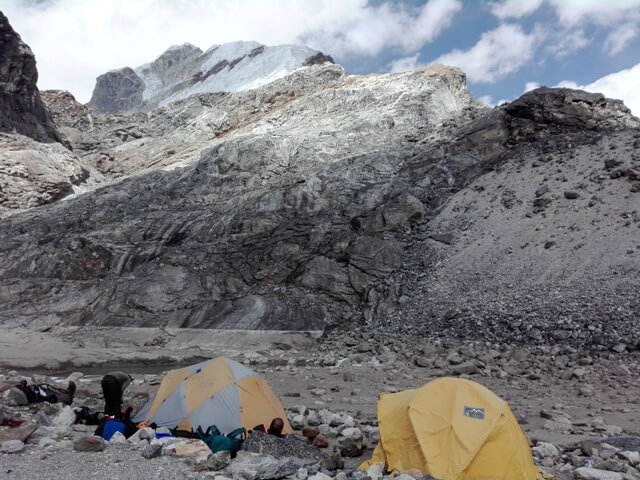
x: 30, y: 391
x: 86, y: 416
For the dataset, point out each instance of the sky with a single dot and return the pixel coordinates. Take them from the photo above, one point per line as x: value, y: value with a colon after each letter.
x: 505, y: 47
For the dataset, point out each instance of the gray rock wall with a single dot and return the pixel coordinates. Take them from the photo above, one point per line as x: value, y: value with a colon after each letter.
x: 21, y: 109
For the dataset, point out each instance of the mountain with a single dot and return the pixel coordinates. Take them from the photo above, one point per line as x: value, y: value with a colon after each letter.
x: 390, y: 203
x: 185, y: 70
x: 21, y: 109
x: 36, y: 165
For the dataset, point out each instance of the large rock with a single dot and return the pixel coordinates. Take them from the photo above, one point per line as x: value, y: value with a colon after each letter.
x: 290, y: 446
x: 219, y: 460
x: 15, y: 397
x: 194, y: 449
x: 21, y: 433
x: 586, y: 473
x: 89, y: 443
x: 21, y: 108
x: 11, y: 446
x: 350, y: 442
x: 573, y: 108
x: 285, y: 467
x: 250, y: 466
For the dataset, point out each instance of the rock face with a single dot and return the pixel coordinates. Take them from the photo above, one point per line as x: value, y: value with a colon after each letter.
x: 34, y: 168
x: 34, y: 173
x: 396, y: 202
x: 185, y: 70
x: 21, y: 109
x: 279, y: 220
x: 117, y: 91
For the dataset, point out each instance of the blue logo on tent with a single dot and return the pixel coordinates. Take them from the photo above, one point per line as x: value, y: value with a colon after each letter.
x: 198, y: 370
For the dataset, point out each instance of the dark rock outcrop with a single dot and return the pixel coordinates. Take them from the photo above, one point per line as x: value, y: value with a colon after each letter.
x: 117, y: 91
x: 21, y: 109
x: 317, y: 59
x: 574, y: 108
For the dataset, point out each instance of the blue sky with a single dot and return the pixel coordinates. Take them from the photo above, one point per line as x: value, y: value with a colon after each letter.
x: 504, y: 46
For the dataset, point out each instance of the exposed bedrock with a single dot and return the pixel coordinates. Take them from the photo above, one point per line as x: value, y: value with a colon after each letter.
x: 21, y: 109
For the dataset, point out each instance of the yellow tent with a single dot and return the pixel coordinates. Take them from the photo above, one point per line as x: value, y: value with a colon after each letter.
x: 452, y: 429
x: 217, y: 392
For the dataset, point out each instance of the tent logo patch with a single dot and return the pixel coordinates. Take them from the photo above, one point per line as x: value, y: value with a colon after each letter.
x: 473, y: 412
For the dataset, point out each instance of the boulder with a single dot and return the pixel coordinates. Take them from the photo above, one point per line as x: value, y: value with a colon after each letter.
x: 188, y: 448
x: 297, y: 422
x: 118, y: 437
x: 350, y: 442
x: 219, y: 460
x: 320, y: 476
x: 320, y: 441
x: 466, y: 368
x: 285, y: 467
x: 89, y: 443
x: 632, y: 457
x: 310, y: 433
x: 11, y: 446
x: 14, y: 396
x: 249, y: 465
x: 376, y: 471
x: 151, y: 451
x: 545, y: 450
x: 586, y: 473
x: 21, y: 433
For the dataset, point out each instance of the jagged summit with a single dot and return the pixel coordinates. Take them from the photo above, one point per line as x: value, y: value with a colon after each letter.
x: 184, y: 70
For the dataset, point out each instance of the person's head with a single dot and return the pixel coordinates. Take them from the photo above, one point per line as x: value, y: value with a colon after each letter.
x: 277, y: 424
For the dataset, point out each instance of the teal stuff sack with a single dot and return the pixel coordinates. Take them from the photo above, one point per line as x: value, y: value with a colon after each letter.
x: 218, y: 442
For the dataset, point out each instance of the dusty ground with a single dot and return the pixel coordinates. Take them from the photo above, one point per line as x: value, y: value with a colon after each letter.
x: 345, y: 376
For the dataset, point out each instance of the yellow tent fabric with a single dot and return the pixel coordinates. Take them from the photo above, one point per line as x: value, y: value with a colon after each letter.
x: 217, y: 392
x: 452, y: 429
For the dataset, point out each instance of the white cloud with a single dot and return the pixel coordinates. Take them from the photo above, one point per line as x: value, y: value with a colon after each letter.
x: 622, y: 85
x: 567, y: 42
x: 569, y: 84
x: 487, y: 100
x: 573, y: 12
x: 530, y: 86
x: 368, y: 30
x: 619, y: 38
x: 514, y: 8
x: 498, y: 53
x: 404, y: 64
x: 75, y: 41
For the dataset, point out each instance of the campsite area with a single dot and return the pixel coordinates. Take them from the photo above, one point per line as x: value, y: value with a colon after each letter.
x: 560, y: 395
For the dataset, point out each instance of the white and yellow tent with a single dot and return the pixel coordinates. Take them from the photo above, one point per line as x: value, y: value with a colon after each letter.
x: 217, y: 392
x: 452, y: 429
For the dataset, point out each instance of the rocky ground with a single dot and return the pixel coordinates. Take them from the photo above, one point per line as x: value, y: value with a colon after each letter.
x: 578, y: 408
